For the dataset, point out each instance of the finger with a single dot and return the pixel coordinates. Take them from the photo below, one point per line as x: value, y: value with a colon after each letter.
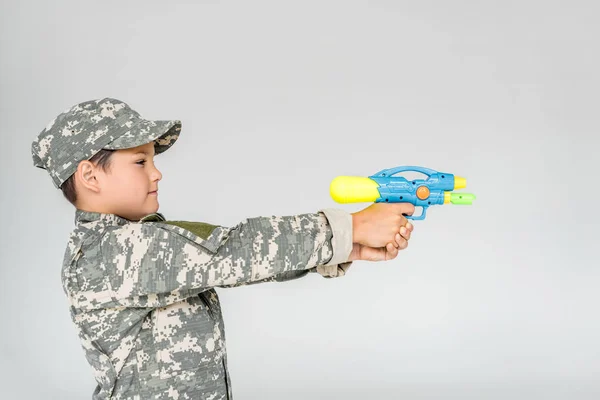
x: 407, y: 208
x: 409, y: 226
x: 403, y: 208
x: 403, y: 220
x: 402, y: 244
x: 405, y: 233
x: 392, y: 252
x: 396, y: 241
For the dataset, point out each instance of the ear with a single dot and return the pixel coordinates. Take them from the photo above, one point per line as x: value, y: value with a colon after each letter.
x: 86, y: 176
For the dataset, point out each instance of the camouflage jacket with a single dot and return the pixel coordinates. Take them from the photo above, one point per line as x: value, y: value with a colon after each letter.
x: 142, y: 295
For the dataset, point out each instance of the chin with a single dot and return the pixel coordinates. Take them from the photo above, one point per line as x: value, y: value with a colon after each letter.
x: 143, y: 211
x: 153, y: 209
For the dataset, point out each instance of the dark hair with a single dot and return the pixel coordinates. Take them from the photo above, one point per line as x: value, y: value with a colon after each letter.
x: 101, y: 159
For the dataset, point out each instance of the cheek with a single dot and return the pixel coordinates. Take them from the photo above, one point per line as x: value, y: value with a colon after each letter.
x: 131, y: 182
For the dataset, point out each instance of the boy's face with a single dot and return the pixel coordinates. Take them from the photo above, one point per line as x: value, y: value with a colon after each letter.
x: 129, y: 188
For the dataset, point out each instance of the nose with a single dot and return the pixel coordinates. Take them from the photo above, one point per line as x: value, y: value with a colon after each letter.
x: 156, y: 175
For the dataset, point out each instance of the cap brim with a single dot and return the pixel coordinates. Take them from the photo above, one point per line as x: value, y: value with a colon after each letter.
x: 163, y: 133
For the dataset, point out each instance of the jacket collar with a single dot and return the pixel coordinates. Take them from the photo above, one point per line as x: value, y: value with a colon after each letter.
x: 82, y: 217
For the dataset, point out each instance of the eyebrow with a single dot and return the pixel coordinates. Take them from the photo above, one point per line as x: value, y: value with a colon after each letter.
x: 141, y: 152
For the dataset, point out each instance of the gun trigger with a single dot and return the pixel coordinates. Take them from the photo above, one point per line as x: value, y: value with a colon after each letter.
x: 418, y: 217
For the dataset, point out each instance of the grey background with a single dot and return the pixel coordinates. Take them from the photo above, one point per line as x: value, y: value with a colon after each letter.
x: 494, y: 301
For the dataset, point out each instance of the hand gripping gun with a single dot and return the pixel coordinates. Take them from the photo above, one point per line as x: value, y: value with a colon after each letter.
x: 383, y: 187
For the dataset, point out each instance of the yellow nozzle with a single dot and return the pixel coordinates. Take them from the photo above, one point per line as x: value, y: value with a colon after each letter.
x: 459, y: 183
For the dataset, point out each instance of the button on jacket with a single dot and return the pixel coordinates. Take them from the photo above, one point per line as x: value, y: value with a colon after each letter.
x: 142, y: 295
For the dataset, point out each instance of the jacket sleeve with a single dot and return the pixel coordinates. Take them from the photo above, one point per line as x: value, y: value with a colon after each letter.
x: 153, y: 263
x: 341, y: 226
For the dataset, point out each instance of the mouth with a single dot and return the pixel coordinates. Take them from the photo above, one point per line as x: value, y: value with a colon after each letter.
x: 153, y: 192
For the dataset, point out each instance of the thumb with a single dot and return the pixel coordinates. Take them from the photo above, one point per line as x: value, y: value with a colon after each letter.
x: 378, y: 253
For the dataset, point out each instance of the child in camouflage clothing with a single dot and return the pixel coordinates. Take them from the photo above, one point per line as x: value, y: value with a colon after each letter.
x: 142, y: 288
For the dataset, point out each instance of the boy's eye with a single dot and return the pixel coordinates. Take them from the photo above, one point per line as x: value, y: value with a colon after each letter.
x: 141, y: 162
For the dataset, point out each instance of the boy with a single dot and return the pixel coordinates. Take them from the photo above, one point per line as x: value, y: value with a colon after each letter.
x: 141, y: 288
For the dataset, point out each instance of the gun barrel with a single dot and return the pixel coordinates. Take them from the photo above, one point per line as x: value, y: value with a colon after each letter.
x: 459, y: 182
x: 459, y: 198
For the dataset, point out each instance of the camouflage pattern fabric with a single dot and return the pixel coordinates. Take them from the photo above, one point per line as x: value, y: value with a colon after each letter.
x: 142, y: 293
x: 86, y: 128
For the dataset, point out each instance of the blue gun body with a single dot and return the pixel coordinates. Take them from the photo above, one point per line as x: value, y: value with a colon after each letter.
x: 384, y: 187
x: 396, y: 189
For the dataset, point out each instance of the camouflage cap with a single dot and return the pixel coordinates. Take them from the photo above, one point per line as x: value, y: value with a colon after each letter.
x: 86, y: 128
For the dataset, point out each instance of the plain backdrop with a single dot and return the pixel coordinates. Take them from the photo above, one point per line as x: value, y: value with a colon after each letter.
x: 498, y: 300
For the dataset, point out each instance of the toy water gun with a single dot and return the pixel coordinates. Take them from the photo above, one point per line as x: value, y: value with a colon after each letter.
x: 383, y: 187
